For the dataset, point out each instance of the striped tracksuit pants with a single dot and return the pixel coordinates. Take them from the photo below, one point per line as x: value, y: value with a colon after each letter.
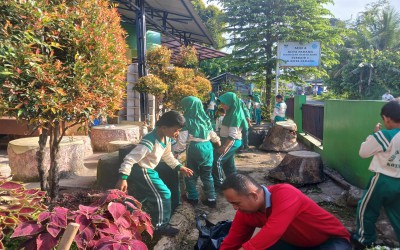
x: 224, y: 164
x: 146, y: 186
x: 382, y: 190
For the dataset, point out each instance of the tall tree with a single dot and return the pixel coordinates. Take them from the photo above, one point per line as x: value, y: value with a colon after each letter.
x: 378, y: 27
x: 60, y: 62
x: 211, y: 16
x: 255, y: 27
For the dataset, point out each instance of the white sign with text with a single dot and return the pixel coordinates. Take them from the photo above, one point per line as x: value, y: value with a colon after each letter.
x: 294, y: 54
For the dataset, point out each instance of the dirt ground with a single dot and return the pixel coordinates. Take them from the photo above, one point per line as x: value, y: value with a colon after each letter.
x: 327, y: 194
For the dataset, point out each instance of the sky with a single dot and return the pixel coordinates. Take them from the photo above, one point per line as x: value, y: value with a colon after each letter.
x: 345, y: 9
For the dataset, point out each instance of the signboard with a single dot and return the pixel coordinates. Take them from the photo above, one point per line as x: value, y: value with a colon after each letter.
x: 294, y: 54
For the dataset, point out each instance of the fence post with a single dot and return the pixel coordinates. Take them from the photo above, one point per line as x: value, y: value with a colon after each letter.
x: 299, y: 100
x: 68, y: 237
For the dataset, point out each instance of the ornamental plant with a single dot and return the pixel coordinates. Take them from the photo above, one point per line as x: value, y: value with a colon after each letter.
x: 17, y: 205
x: 171, y: 83
x: 62, y: 63
x: 115, y: 221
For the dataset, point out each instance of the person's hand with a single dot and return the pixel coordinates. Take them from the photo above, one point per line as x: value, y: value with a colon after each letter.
x: 187, y: 172
x: 378, y: 127
x: 222, y: 150
x: 218, y: 143
x: 122, y: 185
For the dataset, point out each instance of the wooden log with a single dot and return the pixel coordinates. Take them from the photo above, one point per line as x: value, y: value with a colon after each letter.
x: 281, y: 138
x: 68, y: 236
x: 299, y: 168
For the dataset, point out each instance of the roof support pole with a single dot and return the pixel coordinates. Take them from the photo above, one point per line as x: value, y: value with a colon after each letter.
x: 141, y: 53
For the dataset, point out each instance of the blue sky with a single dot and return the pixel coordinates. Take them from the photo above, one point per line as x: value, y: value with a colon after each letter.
x: 345, y: 9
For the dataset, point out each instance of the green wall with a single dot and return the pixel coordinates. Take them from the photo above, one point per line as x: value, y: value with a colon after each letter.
x: 346, y: 125
x: 152, y: 38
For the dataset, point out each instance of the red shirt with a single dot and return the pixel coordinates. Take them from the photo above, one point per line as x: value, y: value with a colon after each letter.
x: 292, y: 217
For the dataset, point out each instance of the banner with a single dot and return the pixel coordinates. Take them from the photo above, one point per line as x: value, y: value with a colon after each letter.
x: 295, y: 54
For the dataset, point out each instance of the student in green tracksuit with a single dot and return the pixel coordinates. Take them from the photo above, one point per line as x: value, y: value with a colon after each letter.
x: 138, y: 169
x: 257, y: 109
x: 383, y: 189
x: 245, y: 131
x: 195, y: 138
x: 231, y: 137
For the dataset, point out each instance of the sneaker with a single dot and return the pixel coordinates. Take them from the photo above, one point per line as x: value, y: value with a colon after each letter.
x: 210, y: 203
x: 193, y: 202
x: 167, y: 230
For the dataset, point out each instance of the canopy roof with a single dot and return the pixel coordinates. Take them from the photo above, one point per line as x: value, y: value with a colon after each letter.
x: 203, y: 53
x: 176, y: 18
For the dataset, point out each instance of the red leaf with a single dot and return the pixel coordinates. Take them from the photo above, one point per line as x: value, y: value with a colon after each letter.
x: 107, y: 228
x: 31, y: 191
x: 27, y: 210
x: 59, y: 217
x: 82, y: 221
x: 87, y: 209
x: 27, y: 229
x: 84, y: 237
x: 9, y: 185
x: 118, y: 211
x: 53, y: 230
x: 45, y: 241
x: 43, y: 216
x: 14, y: 207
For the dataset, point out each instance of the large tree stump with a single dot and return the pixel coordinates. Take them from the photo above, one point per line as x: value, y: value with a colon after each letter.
x: 299, y: 168
x: 23, y: 163
x: 103, y: 134
x: 281, y: 138
x: 257, y: 134
x: 108, y: 166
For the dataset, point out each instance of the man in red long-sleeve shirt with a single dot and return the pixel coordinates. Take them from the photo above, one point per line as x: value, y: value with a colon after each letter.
x: 288, y: 219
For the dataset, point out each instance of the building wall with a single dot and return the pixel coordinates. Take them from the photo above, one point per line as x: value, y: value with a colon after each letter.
x: 346, y: 125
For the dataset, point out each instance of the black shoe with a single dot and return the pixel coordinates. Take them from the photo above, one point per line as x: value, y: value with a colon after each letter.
x: 356, y: 244
x: 167, y: 230
x: 193, y: 202
x: 210, y: 203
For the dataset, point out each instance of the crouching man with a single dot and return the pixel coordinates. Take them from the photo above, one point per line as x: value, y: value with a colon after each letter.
x: 288, y: 219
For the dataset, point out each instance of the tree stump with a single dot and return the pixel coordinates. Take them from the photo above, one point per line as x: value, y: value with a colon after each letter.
x: 108, y: 166
x: 103, y: 134
x: 116, y: 145
x: 23, y: 163
x: 299, y: 168
x: 281, y: 138
x: 257, y: 134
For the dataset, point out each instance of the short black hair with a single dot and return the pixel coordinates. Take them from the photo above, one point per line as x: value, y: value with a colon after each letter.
x: 240, y: 183
x: 391, y: 110
x: 279, y: 96
x: 171, y: 119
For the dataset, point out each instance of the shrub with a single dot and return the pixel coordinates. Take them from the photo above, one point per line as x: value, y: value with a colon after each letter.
x: 113, y: 221
x: 17, y: 205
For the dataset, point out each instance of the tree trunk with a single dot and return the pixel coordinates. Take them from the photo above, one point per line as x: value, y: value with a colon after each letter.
x: 281, y: 138
x: 54, y: 173
x: 268, y: 77
x: 44, y: 185
x: 299, y: 168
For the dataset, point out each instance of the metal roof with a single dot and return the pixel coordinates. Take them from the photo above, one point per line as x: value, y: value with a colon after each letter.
x: 203, y: 53
x: 173, y: 17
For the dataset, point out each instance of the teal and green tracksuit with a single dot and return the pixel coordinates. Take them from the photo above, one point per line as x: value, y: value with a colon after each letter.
x: 195, y: 138
x: 383, y: 188
x: 232, y: 125
x: 245, y: 130
x: 279, y: 112
x: 144, y: 182
x: 257, y: 109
